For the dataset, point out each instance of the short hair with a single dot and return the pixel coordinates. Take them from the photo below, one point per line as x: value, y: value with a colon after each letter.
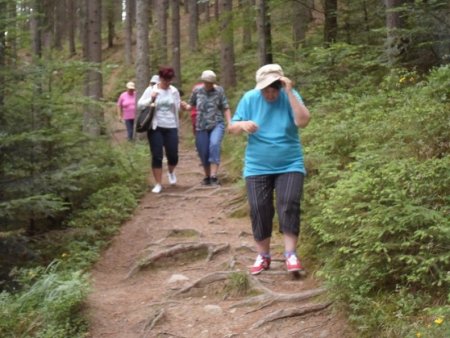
x: 276, y: 85
x: 166, y: 73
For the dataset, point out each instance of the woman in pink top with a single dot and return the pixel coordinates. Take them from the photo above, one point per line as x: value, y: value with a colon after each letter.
x: 126, y: 107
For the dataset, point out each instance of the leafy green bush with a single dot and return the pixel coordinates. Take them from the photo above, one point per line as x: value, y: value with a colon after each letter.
x: 377, y: 201
x: 46, y: 307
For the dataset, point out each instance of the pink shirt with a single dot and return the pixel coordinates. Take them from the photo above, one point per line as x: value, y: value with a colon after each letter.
x: 127, y: 103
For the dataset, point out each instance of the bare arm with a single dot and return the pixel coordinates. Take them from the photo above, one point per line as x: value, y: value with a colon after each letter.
x: 238, y: 127
x: 301, y: 113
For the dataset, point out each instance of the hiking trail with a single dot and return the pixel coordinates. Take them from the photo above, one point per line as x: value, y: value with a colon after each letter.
x: 177, y: 268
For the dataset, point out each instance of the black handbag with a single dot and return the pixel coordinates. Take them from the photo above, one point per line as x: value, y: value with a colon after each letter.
x: 145, y: 118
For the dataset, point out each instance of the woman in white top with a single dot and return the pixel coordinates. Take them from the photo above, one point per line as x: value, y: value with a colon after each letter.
x: 163, y: 133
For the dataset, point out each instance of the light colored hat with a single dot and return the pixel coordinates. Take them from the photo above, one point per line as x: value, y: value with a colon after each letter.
x: 154, y: 79
x: 130, y: 85
x: 208, y: 76
x: 268, y: 74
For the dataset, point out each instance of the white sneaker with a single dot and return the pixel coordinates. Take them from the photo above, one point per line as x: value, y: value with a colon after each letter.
x: 172, y: 178
x: 157, y: 189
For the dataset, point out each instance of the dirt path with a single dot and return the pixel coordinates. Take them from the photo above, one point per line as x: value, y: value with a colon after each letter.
x: 191, y: 220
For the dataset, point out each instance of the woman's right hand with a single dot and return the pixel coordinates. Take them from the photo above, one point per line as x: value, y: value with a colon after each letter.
x: 248, y: 126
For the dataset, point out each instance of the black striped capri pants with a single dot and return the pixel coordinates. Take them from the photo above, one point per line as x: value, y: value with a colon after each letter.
x: 288, y: 188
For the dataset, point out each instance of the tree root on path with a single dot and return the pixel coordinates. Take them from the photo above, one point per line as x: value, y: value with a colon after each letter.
x: 177, y: 249
x: 153, y: 320
x: 205, y: 280
x: 291, y: 312
x: 268, y: 297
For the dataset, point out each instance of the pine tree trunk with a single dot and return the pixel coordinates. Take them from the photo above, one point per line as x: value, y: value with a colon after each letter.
x: 128, y: 31
x: 301, y: 17
x: 161, y: 11
x: 394, y: 46
x: 264, y: 33
x: 331, y: 26
x: 176, y: 53
x: 228, y: 73
x: 70, y: 5
x: 248, y: 22
x: 93, y: 116
x: 142, y: 47
x: 193, y: 25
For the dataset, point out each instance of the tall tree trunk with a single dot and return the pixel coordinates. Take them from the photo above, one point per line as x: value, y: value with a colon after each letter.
x: 176, y: 53
x: 142, y: 47
x: 70, y: 5
x: 93, y: 116
x: 59, y: 26
x: 248, y: 22
x: 129, y: 10
x: 193, y: 25
x: 395, y: 45
x: 264, y: 33
x: 110, y: 12
x: 216, y: 9
x: 228, y: 73
x: 161, y: 15
x: 331, y: 26
x: 36, y: 29
x: 301, y: 17
x: 3, y: 29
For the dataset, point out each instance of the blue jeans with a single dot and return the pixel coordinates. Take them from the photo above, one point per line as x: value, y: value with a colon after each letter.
x: 208, y: 144
x: 160, y: 140
x: 130, y: 126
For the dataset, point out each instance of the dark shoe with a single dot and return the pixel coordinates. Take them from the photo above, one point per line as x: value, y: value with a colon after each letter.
x: 206, y: 181
x: 214, y: 181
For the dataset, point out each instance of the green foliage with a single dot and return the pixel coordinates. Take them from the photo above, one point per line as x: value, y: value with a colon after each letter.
x: 377, y: 200
x: 46, y: 307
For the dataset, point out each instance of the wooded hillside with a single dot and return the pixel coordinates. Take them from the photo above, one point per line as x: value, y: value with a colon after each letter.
x: 374, y: 74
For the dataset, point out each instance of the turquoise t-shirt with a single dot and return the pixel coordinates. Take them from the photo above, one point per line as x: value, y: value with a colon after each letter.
x: 275, y: 147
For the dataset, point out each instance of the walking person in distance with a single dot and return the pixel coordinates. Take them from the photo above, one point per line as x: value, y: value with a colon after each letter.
x: 163, y: 133
x: 213, y: 113
x: 126, y: 108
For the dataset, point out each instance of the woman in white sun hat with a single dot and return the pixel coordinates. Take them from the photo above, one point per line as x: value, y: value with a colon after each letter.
x: 213, y: 114
x: 271, y: 114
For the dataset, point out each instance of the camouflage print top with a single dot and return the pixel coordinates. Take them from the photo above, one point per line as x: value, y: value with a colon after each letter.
x: 210, y: 106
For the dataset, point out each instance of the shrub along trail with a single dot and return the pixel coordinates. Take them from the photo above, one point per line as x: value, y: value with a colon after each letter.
x: 178, y: 268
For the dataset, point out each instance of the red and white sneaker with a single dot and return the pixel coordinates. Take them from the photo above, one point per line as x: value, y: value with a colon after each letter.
x: 293, y: 264
x: 261, y: 263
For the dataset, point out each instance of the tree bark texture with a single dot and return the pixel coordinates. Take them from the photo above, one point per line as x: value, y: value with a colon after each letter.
x: 193, y: 25
x: 301, y: 17
x: 93, y: 115
x: 228, y: 73
x: 176, y: 53
x: 331, y: 25
x: 264, y: 32
x: 130, y: 6
x: 142, y: 47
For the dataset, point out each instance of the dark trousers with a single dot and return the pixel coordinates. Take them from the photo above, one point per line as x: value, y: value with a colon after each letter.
x: 288, y: 188
x: 130, y: 125
x: 163, y: 140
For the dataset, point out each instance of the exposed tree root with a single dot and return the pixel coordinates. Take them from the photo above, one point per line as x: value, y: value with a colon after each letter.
x: 205, y: 280
x: 153, y: 320
x: 268, y: 297
x: 291, y: 312
x: 177, y: 249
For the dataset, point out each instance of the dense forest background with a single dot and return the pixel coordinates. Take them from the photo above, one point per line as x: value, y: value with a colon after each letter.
x: 374, y: 74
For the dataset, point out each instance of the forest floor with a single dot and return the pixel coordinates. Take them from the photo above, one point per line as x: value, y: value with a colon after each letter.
x: 172, y: 271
